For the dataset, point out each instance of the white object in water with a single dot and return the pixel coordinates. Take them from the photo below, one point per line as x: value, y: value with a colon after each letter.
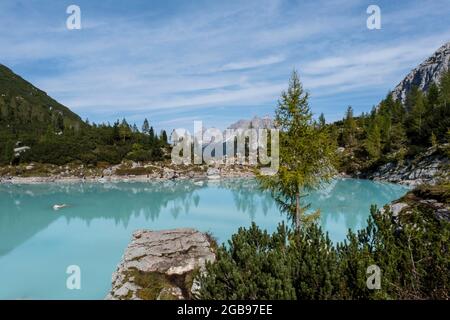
x: 59, y: 206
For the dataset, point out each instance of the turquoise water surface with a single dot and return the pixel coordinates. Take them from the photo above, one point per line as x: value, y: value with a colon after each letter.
x: 37, y: 243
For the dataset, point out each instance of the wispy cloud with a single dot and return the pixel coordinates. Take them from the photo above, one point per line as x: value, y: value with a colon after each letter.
x: 182, y: 57
x: 250, y: 64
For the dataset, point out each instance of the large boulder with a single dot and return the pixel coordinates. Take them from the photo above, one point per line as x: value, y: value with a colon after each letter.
x: 161, y: 265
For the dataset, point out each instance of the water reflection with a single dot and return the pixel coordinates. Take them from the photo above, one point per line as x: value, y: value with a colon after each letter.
x: 27, y: 209
x: 37, y: 243
x: 345, y: 203
x: 248, y: 198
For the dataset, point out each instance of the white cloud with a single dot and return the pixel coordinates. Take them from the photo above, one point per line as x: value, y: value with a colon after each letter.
x: 177, y: 62
x: 249, y: 64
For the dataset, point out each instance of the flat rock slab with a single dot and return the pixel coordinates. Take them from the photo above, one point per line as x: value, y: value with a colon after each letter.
x: 159, y: 264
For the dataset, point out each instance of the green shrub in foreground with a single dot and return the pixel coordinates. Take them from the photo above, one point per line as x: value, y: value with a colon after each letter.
x: 412, y: 253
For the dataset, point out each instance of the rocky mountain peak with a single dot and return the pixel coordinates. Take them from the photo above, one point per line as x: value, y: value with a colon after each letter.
x: 425, y: 74
x: 256, y: 123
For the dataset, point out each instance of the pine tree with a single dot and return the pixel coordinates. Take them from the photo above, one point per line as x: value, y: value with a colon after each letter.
x: 145, y: 126
x: 124, y: 130
x: 444, y: 88
x: 417, y: 118
x: 398, y: 141
x: 373, y: 142
x: 433, y: 140
x: 116, y: 131
x: 306, y: 153
x: 433, y: 95
x: 151, y: 134
x: 411, y: 98
x: 322, y: 120
x: 349, y: 133
x: 164, y: 137
x: 8, y: 152
x: 60, y: 123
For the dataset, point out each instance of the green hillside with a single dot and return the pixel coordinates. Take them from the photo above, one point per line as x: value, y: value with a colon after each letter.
x: 23, y: 107
x: 393, y: 131
x: 56, y: 135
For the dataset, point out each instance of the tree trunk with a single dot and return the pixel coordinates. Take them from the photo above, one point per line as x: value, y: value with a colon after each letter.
x: 297, y: 211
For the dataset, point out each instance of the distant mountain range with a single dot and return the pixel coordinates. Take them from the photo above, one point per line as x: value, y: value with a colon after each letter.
x: 425, y: 74
x: 255, y: 123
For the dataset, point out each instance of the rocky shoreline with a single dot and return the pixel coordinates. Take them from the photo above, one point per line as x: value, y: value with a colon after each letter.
x: 158, y: 173
x: 430, y: 167
x: 433, y: 199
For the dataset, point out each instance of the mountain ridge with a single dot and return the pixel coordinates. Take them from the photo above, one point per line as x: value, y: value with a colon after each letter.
x: 256, y: 123
x: 424, y: 74
x: 23, y: 103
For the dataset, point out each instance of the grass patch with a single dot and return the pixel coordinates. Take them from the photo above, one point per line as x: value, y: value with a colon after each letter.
x: 153, y: 284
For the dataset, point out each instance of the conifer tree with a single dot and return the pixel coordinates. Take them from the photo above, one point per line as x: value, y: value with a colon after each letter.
x: 151, y: 134
x: 433, y: 95
x: 373, y: 142
x: 444, y: 88
x: 307, y: 153
x: 164, y: 137
x: 322, y: 120
x: 145, y: 126
x: 349, y: 134
x: 417, y: 118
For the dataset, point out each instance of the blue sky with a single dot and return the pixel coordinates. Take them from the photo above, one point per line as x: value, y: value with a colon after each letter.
x: 217, y: 61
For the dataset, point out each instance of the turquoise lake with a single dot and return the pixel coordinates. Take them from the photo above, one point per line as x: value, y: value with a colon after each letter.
x: 37, y: 243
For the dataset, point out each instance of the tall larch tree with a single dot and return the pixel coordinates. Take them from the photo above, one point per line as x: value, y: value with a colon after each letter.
x: 307, y: 154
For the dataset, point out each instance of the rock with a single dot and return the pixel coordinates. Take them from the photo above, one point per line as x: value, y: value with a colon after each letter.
x: 425, y: 74
x: 268, y: 171
x: 135, y: 165
x: 168, y: 173
x: 212, y: 172
x: 255, y: 123
x: 443, y: 214
x: 160, y: 265
x: 428, y: 167
x: 396, y: 208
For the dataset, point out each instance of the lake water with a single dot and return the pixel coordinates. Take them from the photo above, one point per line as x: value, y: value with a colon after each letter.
x: 37, y: 243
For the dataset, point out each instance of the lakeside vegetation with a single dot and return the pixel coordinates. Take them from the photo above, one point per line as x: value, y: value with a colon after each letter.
x: 411, y: 249
x: 393, y: 131
x: 57, y: 136
x: 412, y: 253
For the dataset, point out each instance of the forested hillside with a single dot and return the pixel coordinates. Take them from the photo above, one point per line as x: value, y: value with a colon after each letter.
x: 393, y: 131
x: 56, y: 135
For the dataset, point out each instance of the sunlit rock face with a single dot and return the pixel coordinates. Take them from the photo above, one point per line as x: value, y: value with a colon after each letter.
x: 161, y: 265
x: 425, y: 74
x: 430, y: 167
